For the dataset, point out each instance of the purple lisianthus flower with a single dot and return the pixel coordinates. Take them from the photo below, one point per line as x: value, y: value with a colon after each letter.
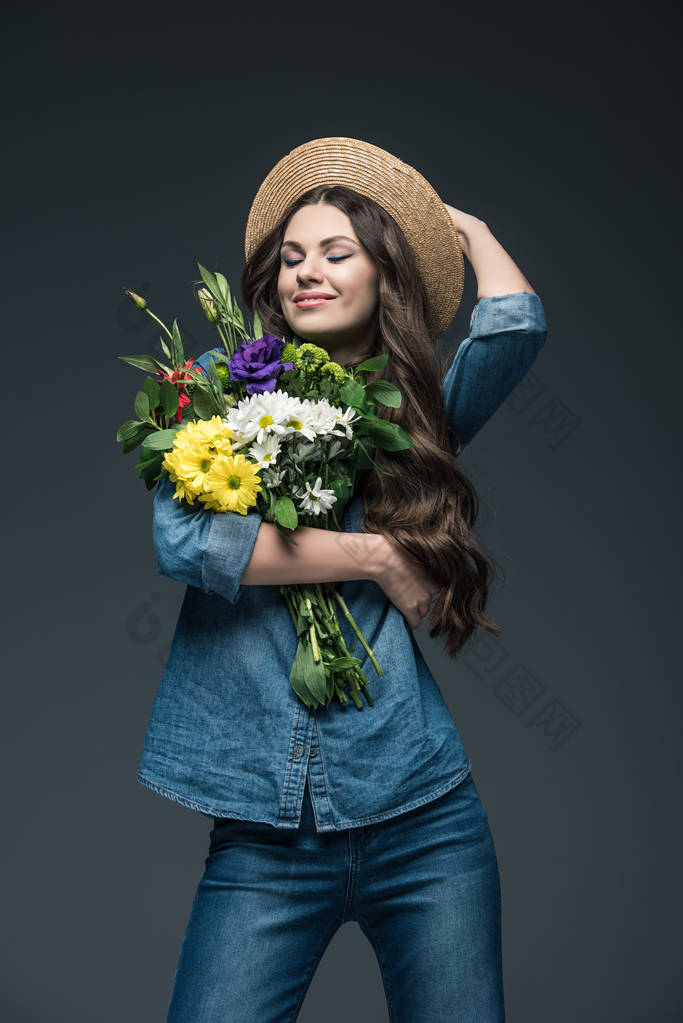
x: 258, y: 363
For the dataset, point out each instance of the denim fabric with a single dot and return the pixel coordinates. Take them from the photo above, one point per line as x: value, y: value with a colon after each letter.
x: 424, y: 888
x: 227, y: 736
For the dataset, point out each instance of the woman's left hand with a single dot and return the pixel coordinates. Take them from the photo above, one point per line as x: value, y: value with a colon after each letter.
x: 495, y: 270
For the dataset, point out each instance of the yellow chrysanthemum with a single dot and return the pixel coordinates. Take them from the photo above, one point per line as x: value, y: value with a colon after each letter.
x: 231, y: 484
x: 216, y: 433
x: 169, y: 463
x: 193, y: 464
x: 184, y: 489
x: 187, y: 437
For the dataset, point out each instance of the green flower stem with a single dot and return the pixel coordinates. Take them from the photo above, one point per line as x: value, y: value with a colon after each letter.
x: 358, y: 632
x: 322, y: 610
x: 326, y: 598
x: 340, y: 694
x: 288, y: 601
x: 160, y: 323
x: 356, y: 698
x: 226, y: 345
x: 314, y: 641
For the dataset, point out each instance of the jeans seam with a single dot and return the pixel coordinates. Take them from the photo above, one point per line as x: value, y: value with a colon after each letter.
x: 374, y: 940
x: 317, y: 956
x: 350, y: 878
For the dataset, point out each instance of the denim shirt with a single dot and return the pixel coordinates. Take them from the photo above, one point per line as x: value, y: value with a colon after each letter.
x: 228, y: 736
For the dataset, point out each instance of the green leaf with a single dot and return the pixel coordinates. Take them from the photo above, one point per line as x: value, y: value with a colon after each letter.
x: 204, y: 404
x: 344, y: 662
x: 160, y: 440
x: 128, y: 429
x: 132, y: 442
x: 147, y: 362
x: 141, y: 405
x: 215, y: 387
x: 352, y: 393
x: 296, y: 675
x: 384, y: 392
x: 169, y: 398
x: 165, y: 347
x: 341, y: 489
x: 177, y: 345
x: 286, y: 535
x: 148, y: 468
x: 212, y: 375
x: 151, y: 389
x: 209, y: 280
x: 258, y: 329
x: 389, y: 436
x: 214, y: 287
x: 375, y: 364
x: 286, y: 513
x: 224, y: 288
x: 364, y: 460
x: 314, y: 674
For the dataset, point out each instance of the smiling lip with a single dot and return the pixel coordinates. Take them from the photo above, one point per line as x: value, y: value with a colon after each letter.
x: 308, y: 303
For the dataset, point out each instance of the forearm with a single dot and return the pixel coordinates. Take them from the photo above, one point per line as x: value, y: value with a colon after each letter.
x: 320, y: 555
x: 495, y: 270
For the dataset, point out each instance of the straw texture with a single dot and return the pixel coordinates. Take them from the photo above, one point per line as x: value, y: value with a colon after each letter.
x: 396, y: 186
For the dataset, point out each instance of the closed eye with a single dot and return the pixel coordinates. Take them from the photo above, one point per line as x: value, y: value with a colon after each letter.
x: 333, y: 259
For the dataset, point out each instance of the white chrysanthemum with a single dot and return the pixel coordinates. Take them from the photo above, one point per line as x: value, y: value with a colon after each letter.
x: 333, y: 449
x: 344, y: 420
x: 265, y: 453
x: 260, y: 415
x: 316, y: 500
x: 320, y: 416
x: 271, y: 477
x: 307, y: 423
x: 302, y: 451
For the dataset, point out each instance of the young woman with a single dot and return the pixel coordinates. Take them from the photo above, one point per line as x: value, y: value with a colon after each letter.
x: 328, y: 815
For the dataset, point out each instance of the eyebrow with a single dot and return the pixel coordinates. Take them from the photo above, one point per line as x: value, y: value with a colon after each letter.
x: 325, y: 241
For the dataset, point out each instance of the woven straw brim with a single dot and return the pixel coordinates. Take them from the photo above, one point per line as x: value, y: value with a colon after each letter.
x: 396, y: 186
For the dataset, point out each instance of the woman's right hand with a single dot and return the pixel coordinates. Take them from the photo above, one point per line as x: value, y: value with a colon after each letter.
x: 405, y: 581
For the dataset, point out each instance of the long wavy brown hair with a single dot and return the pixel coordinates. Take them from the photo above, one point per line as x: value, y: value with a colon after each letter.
x: 427, y: 505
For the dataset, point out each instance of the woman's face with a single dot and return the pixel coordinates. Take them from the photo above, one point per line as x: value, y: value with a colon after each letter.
x: 313, y: 259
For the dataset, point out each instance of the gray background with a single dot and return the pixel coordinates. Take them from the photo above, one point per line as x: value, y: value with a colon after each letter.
x: 137, y: 141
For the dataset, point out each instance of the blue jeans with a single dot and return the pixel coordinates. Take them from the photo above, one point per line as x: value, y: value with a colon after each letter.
x: 423, y: 886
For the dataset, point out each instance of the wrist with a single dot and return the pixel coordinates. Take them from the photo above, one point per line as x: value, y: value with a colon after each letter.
x: 469, y: 231
x: 379, y: 557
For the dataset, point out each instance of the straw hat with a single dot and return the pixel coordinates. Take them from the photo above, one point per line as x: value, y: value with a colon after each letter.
x: 396, y: 186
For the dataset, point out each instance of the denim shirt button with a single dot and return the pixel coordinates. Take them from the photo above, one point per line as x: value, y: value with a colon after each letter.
x: 298, y: 751
x: 312, y: 752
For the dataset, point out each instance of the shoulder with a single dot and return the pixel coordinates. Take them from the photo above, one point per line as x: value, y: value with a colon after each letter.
x: 204, y: 359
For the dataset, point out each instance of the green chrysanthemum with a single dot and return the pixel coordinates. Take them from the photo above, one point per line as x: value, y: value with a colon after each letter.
x: 311, y: 356
x: 334, y: 370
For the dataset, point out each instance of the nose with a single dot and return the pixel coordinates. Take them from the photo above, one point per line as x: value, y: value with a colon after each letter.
x: 309, y: 269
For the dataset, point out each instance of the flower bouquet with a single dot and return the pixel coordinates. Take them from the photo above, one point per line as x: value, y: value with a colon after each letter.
x: 272, y: 426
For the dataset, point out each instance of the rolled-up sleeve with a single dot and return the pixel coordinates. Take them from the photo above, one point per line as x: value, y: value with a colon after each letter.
x: 200, y: 547
x: 506, y: 334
